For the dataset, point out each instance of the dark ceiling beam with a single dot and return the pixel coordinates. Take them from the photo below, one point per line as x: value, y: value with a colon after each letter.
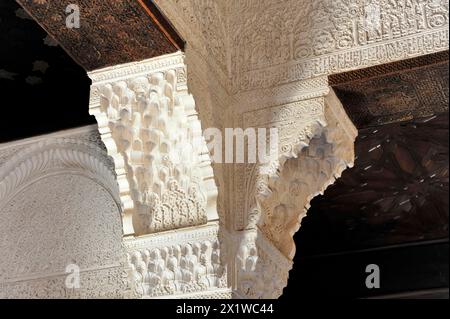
x: 111, y: 31
x: 163, y: 22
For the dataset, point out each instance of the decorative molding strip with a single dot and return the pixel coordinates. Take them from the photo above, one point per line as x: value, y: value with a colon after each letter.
x: 82, y: 131
x: 99, y: 283
x: 281, y: 95
x: 135, y: 69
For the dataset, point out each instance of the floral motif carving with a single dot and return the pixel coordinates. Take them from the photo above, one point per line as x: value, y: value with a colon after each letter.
x: 182, y: 266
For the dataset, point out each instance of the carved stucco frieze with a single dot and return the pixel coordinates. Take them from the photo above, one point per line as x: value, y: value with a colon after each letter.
x: 272, y: 43
x: 184, y: 263
x: 268, y: 43
x: 149, y: 124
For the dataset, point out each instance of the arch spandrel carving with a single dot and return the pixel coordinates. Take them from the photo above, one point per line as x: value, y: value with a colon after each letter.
x: 51, y: 189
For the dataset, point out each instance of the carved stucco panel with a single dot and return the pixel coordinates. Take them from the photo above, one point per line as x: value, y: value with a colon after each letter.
x: 327, y: 36
x: 315, y: 145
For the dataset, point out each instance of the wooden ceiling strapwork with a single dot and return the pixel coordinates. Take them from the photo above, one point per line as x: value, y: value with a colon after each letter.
x: 110, y: 33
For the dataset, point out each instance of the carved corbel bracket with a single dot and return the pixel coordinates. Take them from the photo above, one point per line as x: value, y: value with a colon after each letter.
x: 148, y: 122
x: 316, y: 144
x: 261, y: 270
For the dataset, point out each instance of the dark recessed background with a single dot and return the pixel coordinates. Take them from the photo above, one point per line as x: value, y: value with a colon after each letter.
x: 43, y: 90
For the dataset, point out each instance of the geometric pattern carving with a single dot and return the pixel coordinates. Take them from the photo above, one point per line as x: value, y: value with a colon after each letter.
x: 150, y: 127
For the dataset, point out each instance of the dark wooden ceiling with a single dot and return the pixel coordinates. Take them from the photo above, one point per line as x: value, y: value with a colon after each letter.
x: 43, y: 89
x: 111, y: 32
x: 395, y: 92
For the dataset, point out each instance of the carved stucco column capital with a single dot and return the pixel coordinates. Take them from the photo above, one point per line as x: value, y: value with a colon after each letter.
x: 148, y: 122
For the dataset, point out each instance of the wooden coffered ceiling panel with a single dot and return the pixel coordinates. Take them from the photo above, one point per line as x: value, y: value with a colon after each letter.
x: 395, y: 92
x: 111, y: 32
